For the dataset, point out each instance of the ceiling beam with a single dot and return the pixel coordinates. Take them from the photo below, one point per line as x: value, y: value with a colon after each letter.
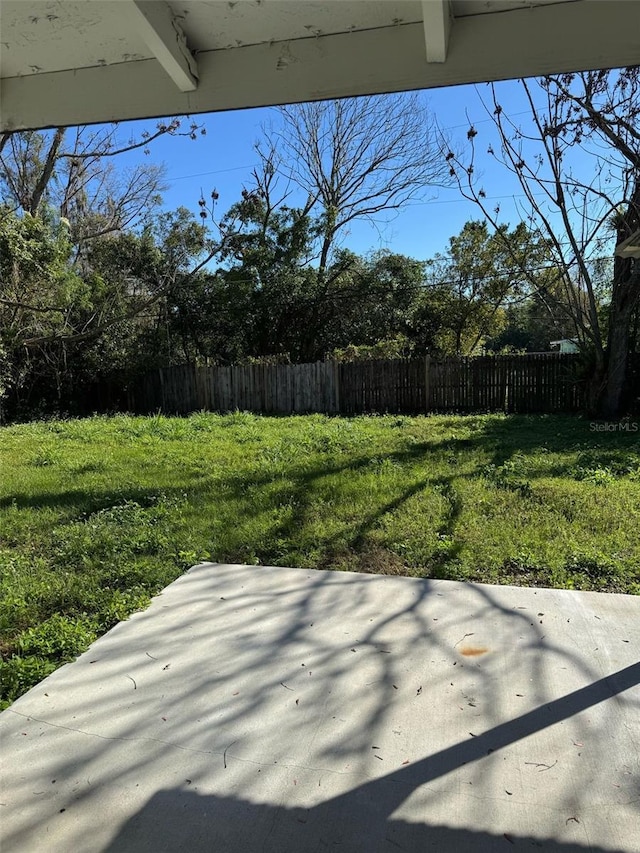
x: 163, y: 35
x: 437, y: 18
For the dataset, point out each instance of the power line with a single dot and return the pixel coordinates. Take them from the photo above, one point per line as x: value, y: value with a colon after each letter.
x: 463, y: 199
x: 255, y: 165
x: 214, y: 172
x: 483, y: 120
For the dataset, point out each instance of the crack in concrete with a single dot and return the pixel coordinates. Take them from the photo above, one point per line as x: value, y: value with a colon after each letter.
x: 181, y: 747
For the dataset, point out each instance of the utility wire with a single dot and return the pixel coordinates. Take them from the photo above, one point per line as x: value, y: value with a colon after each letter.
x: 255, y: 165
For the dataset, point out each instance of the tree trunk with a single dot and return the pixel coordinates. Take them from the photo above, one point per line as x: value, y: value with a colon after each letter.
x: 47, y: 171
x: 624, y: 299
x: 596, y: 384
x: 617, y: 354
x: 327, y: 242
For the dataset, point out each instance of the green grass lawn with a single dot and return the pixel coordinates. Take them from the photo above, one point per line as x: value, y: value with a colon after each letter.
x: 97, y: 515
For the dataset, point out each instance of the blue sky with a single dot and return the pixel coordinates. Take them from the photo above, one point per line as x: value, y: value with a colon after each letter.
x: 224, y: 158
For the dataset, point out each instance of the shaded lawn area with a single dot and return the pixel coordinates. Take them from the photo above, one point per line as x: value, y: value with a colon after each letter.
x: 97, y: 515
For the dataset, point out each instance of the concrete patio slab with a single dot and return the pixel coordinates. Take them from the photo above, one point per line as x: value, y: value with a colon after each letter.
x: 271, y: 709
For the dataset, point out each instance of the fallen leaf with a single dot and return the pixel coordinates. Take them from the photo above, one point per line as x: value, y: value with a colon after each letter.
x: 407, y: 761
x: 419, y: 691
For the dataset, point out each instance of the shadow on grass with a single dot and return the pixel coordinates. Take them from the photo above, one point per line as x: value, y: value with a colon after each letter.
x: 292, y: 487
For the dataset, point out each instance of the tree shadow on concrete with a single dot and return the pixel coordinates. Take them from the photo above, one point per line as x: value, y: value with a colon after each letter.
x: 233, y: 702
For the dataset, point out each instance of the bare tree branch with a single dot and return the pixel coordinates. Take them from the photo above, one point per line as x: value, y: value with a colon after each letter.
x: 358, y: 157
x: 597, y: 113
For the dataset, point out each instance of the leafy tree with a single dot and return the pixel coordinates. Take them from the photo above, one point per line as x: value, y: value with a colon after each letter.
x: 469, y: 289
x: 530, y: 327
x: 267, y: 251
x: 38, y: 291
x: 68, y: 225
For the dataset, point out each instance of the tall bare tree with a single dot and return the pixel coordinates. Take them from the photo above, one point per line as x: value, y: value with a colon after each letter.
x: 577, y: 161
x: 358, y: 157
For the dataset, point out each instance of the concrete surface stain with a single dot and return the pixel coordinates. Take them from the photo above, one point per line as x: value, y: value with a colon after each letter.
x: 473, y: 651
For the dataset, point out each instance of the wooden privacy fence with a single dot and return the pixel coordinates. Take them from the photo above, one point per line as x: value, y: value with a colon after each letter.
x: 536, y: 382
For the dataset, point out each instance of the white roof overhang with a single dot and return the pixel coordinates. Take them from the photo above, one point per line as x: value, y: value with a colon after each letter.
x: 64, y: 62
x: 629, y: 248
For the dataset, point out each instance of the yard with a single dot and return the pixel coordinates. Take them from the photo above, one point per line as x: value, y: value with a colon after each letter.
x: 97, y: 515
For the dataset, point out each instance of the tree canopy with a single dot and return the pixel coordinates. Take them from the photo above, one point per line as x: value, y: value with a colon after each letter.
x: 99, y: 282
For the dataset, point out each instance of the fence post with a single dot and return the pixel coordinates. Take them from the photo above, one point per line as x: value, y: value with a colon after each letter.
x: 427, y: 371
x: 507, y: 376
x: 336, y: 385
x: 162, y: 396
